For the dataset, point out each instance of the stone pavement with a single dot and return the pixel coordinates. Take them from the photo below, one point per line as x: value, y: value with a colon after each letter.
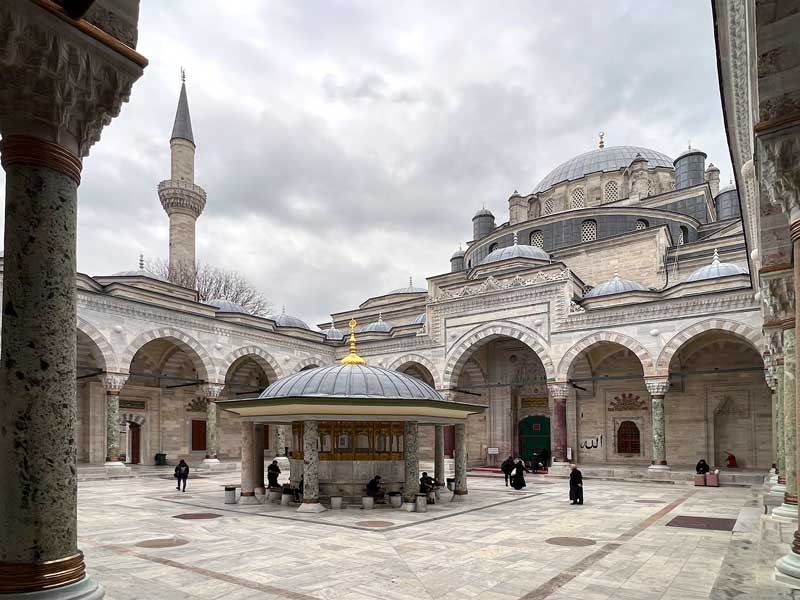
x: 500, y: 545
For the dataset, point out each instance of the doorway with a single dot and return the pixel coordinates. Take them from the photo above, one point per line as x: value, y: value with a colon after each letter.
x: 135, y: 442
x: 534, y: 435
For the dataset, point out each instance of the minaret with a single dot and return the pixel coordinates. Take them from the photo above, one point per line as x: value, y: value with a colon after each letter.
x: 181, y: 198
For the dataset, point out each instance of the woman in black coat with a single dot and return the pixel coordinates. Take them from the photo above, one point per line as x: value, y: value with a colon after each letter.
x: 575, y: 485
x: 702, y: 467
x: 518, y: 476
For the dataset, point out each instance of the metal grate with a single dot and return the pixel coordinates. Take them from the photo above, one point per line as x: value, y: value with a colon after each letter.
x: 641, y: 224
x: 578, y: 198
x: 708, y: 523
x: 588, y: 231
x: 548, y: 206
x: 537, y: 238
x: 612, y: 191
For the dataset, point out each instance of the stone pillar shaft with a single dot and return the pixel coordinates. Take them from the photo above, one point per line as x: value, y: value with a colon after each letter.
x: 789, y: 417
x: 248, y: 437
x: 112, y: 427
x: 558, y: 392
x: 212, y: 438
x: 460, y: 488
x: 411, y: 485
x: 658, y: 388
x: 438, y: 455
x: 779, y: 404
x: 310, y: 462
x: 258, y: 459
x: 280, y: 440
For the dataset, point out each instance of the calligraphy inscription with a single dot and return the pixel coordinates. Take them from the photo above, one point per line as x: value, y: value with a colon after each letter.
x: 594, y: 443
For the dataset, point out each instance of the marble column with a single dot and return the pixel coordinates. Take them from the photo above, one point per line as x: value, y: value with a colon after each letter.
x: 558, y: 392
x: 211, y: 392
x: 788, y: 510
x: 311, y: 501
x: 113, y: 383
x: 438, y: 455
x: 658, y: 388
x: 411, y: 483
x: 460, y: 487
x: 258, y: 460
x: 779, y: 404
x: 248, y: 476
x: 280, y: 440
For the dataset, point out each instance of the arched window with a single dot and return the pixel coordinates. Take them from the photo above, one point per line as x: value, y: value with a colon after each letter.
x: 588, y: 231
x: 641, y: 224
x: 493, y: 247
x: 649, y: 187
x: 578, y: 198
x: 548, y: 206
x: 628, y: 438
x: 611, y: 191
x: 683, y: 235
x: 537, y: 238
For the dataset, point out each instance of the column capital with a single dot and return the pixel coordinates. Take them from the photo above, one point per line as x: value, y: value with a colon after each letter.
x: 657, y: 386
x: 114, y: 382
x: 558, y: 390
x: 779, y: 172
x: 211, y: 391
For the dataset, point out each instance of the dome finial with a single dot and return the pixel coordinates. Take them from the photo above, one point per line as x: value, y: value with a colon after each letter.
x: 353, y: 358
x: 616, y: 274
x: 516, y: 238
x: 141, y: 262
x: 690, y: 144
x: 716, y: 257
x: 601, y: 144
x: 283, y: 309
x: 410, y: 282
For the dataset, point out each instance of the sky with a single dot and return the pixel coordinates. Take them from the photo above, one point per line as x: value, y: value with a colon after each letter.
x: 345, y: 146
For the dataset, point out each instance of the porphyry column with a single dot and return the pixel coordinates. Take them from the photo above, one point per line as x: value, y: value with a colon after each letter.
x: 113, y: 383
x: 788, y: 510
x: 248, y: 485
x: 258, y: 460
x: 438, y: 455
x: 658, y: 387
x: 558, y: 392
x: 460, y: 487
x: 311, y: 501
x: 411, y: 484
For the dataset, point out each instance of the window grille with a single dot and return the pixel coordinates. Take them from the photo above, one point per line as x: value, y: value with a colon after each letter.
x: 612, y: 191
x: 649, y: 187
x: 588, y: 231
x: 548, y: 206
x: 628, y: 438
x: 683, y: 236
x: 493, y: 247
x: 537, y: 238
x: 641, y: 224
x: 578, y: 198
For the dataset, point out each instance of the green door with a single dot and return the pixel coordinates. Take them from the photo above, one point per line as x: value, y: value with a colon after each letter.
x: 534, y: 434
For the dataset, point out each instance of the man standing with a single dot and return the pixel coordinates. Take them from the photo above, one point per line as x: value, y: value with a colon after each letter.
x: 575, y: 485
x: 507, y: 467
x: 273, y: 470
x: 181, y: 474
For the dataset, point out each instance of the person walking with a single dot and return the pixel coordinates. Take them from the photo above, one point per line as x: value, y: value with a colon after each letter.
x: 181, y: 474
x: 506, y: 467
x: 518, y: 478
x: 575, y: 485
x: 273, y: 470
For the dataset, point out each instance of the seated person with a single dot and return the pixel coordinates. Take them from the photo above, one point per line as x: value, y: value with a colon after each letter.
x: 426, y: 484
x: 730, y: 461
x: 702, y: 467
x: 375, y: 489
x: 298, y: 491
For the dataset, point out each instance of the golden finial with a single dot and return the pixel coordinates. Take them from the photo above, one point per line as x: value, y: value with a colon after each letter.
x: 601, y: 144
x: 353, y: 358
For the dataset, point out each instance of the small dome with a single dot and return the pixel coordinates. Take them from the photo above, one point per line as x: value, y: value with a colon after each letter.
x: 516, y: 251
x: 726, y: 189
x: 332, y: 333
x: 716, y: 269
x: 351, y: 381
x: 457, y: 254
x: 227, y: 306
x: 420, y: 320
x: 379, y: 326
x: 712, y: 167
x: 410, y: 289
x: 141, y: 272
x: 688, y: 152
x: 484, y: 212
x: 284, y: 320
x: 617, y: 285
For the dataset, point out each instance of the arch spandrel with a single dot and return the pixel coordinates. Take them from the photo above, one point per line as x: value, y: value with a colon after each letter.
x: 308, y: 363
x: 406, y: 359
x: 677, y: 341
x: 103, y: 345
x: 635, y: 346
x: 194, y: 349
x: 264, y: 359
x: 462, y: 349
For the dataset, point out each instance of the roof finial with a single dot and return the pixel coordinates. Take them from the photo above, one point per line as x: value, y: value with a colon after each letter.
x: 380, y: 316
x: 716, y: 257
x: 690, y: 144
x: 353, y: 358
x: 601, y: 144
x: 516, y: 238
x: 616, y: 274
x: 141, y: 262
x: 183, y: 75
x: 283, y: 309
x: 410, y: 282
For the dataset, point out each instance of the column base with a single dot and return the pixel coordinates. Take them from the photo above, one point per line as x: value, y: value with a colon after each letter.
x: 459, y: 497
x: 249, y: 499
x: 311, y: 507
x: 778, y: 490
x: 409, y: 506
x: 787, y: 570
x: 785, y: 513
x: 658, y: 468
x: 210, y: 461
x: 261, y: 491
x: 85, y: 589
x: 114, y: 463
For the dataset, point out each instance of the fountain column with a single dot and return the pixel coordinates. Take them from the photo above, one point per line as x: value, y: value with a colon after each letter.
x: 248, y: 475
x: 411, y: 485
x: 438, y: 455
x: 460, y: 487
x: 311, y: 501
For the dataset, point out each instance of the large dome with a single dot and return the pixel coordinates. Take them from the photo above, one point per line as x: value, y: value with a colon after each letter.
x: 351, y: 381
x: 606, y: 160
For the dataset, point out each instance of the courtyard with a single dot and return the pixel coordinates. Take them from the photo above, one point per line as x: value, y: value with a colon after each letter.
x: 500, y: 544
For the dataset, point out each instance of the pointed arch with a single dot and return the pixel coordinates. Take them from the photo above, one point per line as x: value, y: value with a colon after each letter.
x: 679, y: 339
x: 265, y: 360
x: 463, y: 347
x: 307, y: 364
x: 401, y: 361
x: 621, y: 339
x: 195, y: 350
x: 103, y: 345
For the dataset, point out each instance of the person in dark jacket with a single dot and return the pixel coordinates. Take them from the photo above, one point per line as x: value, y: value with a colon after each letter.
x: 181, y: 474
x: 375, y: 489
x: 575, y: 485
x: 426, y: 483
x: 518, y: 478
x: 273, y: 470
x: 506, y: 467
x: 702, y: 467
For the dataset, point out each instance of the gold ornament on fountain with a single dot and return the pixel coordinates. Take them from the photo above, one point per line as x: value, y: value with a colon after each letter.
x: 353, y: 358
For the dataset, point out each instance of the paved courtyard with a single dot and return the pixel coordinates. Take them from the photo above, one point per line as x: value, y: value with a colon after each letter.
x: 500, y: 545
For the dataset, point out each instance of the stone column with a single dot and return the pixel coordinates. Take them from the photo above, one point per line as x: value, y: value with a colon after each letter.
x: 113, y: 383
x: 438, y: 455
x: 211, y: 392
x: 280, y: 440
x: 258, y: 460
x: 558, y: 392
x: 460, y: 488
x: 788, y: 510
x: 311, y: 501
x: 63, y: 81
x: 779, y: 404
x: 248, y: 480
x: 658, y: 387
x: 411, y: 484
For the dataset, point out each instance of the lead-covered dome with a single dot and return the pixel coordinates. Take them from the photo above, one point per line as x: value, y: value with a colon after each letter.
x: 227, y: 306
x: 379, y: 326
x: 332, y: 333
x: 515, y: 251
x: 411, y: 289
x: 284, y: 320
x: 605, y: 160
x: 351, y: 381
x: 716, y: 269
x: 616, y: 285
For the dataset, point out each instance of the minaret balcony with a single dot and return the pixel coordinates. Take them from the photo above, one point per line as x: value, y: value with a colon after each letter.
x: 182, y: 196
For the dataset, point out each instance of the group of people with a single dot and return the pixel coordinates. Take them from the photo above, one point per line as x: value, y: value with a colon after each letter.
x: 376, y: 489
x: 514, y: 470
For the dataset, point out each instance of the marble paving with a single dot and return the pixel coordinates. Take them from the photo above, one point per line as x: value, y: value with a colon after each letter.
x: 494, y: 547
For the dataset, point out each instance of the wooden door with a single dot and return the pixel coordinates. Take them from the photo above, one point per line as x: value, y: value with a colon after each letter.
x: 135, y: 431
x: 534, y: 436
x: 198, y: 435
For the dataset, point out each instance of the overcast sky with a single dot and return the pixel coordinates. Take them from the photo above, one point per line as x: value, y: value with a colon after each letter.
x: 345, y: 146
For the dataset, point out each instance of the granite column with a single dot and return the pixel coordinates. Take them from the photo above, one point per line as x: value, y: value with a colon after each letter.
x: 438, y: 455
x: 788, y: 510
x: 558, y: 393
x: 311, y: 501
x: 411, y: 485
x: 248, y: 480
x: 460, y: 487
x: 258, y: 459
x: 658, y: 388
x: 113, y: 383
x: 779, y: 404
x: 212, y: 391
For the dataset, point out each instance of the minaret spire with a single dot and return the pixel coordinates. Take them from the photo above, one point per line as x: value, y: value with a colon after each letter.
x: 182, y: 128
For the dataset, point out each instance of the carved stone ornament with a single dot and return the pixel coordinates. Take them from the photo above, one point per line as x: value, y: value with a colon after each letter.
x: 491, y: 284
x: 197, y: 404
x: 780, y: 170
x: 575, y: 308
x: 558, y: 391
x: 627, y: 401
x: 211, y: 390
x: 657, y: 386
x: 114, y: 382
x: 777, y: 296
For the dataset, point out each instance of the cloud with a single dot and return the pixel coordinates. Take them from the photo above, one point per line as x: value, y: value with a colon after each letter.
x: 346, y: 145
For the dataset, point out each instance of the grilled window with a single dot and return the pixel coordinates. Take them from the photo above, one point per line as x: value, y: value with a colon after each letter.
x: 588, y: 231
x: 641, y: 224
x: 537, y: 238
x: 578, y: 198
x: 612, y: 191
x: 629, y: 440
x: 548, y: 206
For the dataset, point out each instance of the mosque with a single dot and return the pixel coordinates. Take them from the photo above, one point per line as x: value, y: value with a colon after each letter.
x: 609, y: 319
